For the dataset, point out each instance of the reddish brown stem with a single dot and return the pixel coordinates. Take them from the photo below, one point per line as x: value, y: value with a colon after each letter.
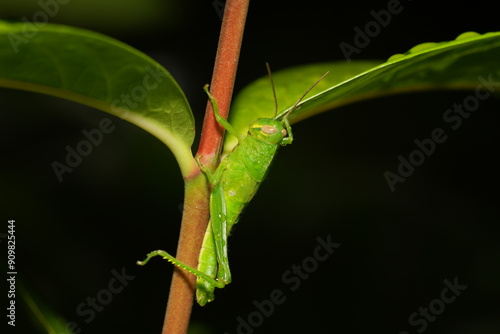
x: 194, y: 221
x: 196, y: 213
x: 224, y: 74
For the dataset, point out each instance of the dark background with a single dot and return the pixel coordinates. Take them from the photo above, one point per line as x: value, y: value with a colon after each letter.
x: 396, y: 249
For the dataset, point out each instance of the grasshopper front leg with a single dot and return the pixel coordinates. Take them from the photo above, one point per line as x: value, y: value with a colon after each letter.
x: 289, y: 137
x: 221, y: 120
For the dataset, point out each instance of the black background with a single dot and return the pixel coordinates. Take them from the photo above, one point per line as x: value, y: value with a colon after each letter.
x: 396, y: 249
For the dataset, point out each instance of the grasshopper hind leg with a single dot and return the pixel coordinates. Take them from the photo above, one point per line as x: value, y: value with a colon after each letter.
x: 218, y: 221
x: 213, y: 259
x: 207, y: 263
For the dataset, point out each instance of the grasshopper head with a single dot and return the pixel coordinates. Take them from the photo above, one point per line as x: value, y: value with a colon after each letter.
x: 268, y: 130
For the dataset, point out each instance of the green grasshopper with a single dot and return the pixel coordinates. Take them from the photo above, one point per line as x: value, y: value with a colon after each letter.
x: 234, y: 183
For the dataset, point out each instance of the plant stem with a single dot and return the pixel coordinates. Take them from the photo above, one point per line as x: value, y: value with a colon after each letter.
x: 194, y: 221
x: 224, y: 74
x: 196, y: 204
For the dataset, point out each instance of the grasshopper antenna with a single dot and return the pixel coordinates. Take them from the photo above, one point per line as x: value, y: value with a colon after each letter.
x: 304, y: 95
x: 274, y: 91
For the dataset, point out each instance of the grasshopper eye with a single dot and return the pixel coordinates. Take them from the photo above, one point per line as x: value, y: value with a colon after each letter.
x: 269, y: 129
x: 283, y: 132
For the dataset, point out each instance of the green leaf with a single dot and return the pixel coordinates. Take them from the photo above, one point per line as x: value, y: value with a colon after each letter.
x: 101, y: 72
x: 43, y: 316
x: 256, y: 100
x: 464, y: 63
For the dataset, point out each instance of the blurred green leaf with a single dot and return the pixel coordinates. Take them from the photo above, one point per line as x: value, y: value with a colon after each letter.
x: 44, y: 317
x: 101, y: 72
x: 256, y: 100
x: 134, y: 16
x: 464, y: 63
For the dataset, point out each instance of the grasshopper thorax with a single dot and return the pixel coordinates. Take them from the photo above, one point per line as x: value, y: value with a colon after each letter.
x: 268, y: 130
